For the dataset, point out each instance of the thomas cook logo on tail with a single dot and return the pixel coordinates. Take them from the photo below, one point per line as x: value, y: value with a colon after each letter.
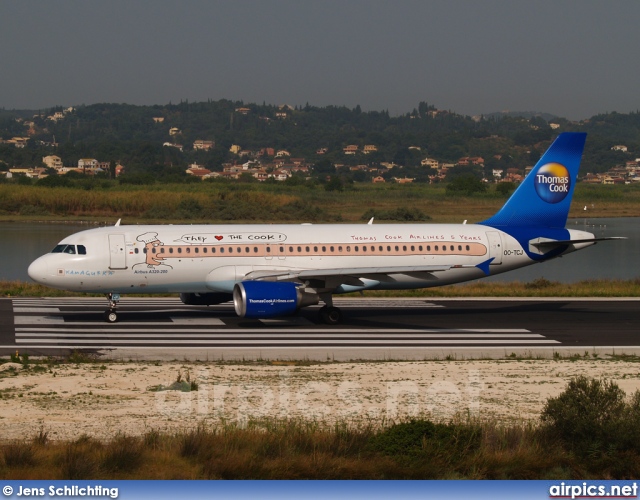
x: 552, y: 182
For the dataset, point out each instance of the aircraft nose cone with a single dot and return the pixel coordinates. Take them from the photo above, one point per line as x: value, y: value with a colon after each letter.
x: 38, y: 270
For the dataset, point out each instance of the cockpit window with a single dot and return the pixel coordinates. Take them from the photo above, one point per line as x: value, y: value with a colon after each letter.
x: 82, y: 250
x: 70, y: 249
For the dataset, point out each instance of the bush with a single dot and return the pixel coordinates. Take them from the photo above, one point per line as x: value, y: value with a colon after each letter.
x: 590, y: 411
x: 467, y: 184
x: 505, y: 188
x: 123, y: 454
x: 419, y: 437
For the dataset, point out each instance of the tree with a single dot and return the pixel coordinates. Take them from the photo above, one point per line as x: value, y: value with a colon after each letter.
x: 466, y: 185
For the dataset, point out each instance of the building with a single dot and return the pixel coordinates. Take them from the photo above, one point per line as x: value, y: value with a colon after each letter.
x: 203, y: 145
x: 429, y: 162
x: 350, y: 149
x: 87, y: 164
x: 52, y: 161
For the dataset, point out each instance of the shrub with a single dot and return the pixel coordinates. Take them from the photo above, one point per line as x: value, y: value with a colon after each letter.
x: 425, y: 437
x: 19, y: 455
x: 588, y: 411
x: 123, y: 454
x: 466, y: 184
x: 80, y: 459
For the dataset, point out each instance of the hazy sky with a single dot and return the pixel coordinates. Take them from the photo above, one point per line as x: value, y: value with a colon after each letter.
x: 570, y: 58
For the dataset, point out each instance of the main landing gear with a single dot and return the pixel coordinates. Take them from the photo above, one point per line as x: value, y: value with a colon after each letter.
x: 111, y: 315
x: 329, y: 314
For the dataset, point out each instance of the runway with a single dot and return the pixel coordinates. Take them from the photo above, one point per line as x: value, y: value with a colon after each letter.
x: 164, y: 328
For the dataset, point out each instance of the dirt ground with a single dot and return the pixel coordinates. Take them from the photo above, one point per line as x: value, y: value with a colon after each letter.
x: 104, y: 399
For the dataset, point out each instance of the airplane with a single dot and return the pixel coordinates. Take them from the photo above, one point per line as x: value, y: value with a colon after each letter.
x: 276, y: 269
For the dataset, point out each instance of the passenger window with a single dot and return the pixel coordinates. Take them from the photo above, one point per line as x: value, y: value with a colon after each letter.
x: 83, y: 251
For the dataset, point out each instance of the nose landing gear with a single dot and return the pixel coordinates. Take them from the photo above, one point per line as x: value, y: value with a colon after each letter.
x: 111, y: 315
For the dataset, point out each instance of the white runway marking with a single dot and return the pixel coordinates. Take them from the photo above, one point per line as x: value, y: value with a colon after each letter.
x: 40, y: 323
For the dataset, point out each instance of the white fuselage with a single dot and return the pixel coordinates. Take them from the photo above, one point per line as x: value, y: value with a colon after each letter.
x: 212, y: 258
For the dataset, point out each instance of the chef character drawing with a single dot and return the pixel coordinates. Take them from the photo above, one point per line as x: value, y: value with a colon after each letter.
x: 151, y: 242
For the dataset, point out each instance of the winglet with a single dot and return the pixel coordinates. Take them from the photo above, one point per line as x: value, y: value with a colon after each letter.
x: 484, y: 266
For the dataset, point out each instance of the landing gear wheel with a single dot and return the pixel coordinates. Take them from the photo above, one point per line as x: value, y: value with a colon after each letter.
x: 111, y: 316
x: 330, y: 315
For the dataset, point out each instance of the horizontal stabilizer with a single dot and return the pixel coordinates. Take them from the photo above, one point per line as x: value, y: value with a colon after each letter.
x: 544, y: 245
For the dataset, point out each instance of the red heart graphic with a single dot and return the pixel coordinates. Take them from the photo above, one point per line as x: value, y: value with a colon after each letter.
x: 219, y: 237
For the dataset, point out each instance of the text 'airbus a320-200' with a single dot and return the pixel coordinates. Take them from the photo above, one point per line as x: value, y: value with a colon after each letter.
x: 274, y: 270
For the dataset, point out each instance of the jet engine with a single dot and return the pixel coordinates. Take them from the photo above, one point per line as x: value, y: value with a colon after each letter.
x: 268, y: 299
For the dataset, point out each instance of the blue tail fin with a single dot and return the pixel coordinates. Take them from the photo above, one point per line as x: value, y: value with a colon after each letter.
x: 544, y: 197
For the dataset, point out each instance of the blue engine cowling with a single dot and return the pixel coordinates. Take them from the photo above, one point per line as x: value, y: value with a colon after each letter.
x: 268, y: 299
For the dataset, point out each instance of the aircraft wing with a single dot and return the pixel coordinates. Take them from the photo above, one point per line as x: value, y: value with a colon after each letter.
x: 345, y: 275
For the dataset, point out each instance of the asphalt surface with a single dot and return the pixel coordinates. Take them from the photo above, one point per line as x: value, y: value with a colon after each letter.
x: 164, y: 328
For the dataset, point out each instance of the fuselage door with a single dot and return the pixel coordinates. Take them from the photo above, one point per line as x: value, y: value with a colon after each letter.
x: 495, y: 246
x: 117, y: 254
